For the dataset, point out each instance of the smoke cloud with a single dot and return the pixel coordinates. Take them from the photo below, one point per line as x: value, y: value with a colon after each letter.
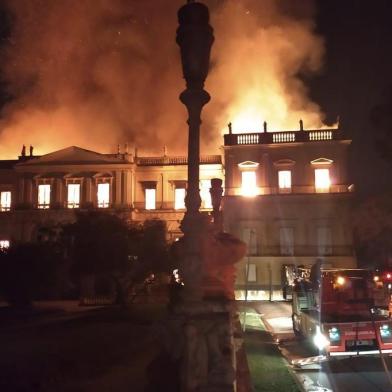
x: 95, y: 73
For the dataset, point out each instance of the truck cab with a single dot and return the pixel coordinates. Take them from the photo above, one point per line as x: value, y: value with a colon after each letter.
x: 336, y: 310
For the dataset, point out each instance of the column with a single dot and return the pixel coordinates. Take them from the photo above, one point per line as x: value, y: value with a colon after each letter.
x: 21, y: 191
x: 164, y: 191
x: 117, y: 190
x: 265, y: 172
x: 59, y: 198
x: 29, y: 191
x: 89, y: 190
x: 124, y: 190
x: 128, y: 188
x: 133, y: 187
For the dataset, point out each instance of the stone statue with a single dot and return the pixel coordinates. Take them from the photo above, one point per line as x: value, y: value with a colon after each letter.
x: 219, y: 252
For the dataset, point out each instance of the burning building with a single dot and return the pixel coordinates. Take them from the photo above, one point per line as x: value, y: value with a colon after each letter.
x: 46, y: 190
x: 286, y: 194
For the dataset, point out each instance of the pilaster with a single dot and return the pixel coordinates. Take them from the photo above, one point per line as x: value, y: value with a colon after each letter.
x: 28, y: 191
x: 21, y: 191
x: 59, y: 192
x: 117, y: 190
x: 89, y: 190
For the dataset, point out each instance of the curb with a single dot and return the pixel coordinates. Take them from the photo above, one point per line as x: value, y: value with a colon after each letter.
x: 293, y: 374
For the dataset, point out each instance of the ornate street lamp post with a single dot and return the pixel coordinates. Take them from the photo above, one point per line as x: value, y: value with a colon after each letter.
x: 202, y: 321
x: 195, y: 38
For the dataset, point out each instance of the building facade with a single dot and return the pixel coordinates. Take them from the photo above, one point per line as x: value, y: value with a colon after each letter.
x: 45, y: 191
x: 286, y: 194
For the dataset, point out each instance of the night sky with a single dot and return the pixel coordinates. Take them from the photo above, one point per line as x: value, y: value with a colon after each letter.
x: 355, y: 77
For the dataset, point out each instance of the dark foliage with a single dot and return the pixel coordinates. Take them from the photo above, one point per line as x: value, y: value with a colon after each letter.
x: 31, y: 271
x: 381, y: 119
x: 373, y: 230
x: 105, y: 246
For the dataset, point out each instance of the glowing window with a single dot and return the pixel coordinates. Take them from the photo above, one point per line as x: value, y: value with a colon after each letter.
x: 284, y: 177
x: 322, y: 180
x: 179, y: 198
x: 150, y: 198
x: 248, y: 185
x: 44, y: 196
x: 103, y: 195
x: 5, y: 201
x: 73, y: 199
x: 205, y: 186
x: 251, y: 275
x: 4, y: 244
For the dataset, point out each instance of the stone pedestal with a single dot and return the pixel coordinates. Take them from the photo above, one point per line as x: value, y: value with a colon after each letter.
x: 200, y: 339
x: 202, y: 327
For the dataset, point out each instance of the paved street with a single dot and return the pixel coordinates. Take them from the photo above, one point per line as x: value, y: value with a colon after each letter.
x: 338, y: 375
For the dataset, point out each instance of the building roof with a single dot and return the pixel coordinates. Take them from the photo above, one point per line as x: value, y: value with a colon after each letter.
x: 72, y: 156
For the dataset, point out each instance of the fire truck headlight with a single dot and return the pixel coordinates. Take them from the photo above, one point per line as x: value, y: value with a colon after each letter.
x: 340, y: 280
x: 385, y: 331
x: 319, y: 340
x: 334, y: 334
x: 376, y: 278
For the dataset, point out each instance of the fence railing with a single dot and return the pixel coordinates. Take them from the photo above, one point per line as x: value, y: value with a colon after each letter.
x: 177, y: 160
x: 316, y: 135
x: 296, y: 189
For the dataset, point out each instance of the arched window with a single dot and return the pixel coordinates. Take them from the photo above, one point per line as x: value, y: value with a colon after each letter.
x: 322, y: 178
x: 248, y: 178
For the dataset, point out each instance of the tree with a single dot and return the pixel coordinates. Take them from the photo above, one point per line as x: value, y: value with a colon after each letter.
x: 30, y: 271
x: 373, y: 215
x: 381, y: 119
x: 103, y: 244
x: 373, y: 230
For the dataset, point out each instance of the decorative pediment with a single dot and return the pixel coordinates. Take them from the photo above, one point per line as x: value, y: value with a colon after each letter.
x: 248, y: 165
x: 321, y: 161
x: 148, y: 184
x: 72, y: 156
x: 179, y: 183
x: 284, y: 163
x: 80, y: 174
x: 103, y: 175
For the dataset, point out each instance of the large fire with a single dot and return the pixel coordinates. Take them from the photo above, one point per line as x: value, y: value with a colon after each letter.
x: 259, y: 63
x: 96, y: 74
x: 273, y: 115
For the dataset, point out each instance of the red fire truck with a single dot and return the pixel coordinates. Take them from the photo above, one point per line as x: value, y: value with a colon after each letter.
x: 383, y: 291
x: 336, y: 311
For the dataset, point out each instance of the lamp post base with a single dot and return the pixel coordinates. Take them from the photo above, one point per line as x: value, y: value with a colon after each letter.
x: 202, y: 338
